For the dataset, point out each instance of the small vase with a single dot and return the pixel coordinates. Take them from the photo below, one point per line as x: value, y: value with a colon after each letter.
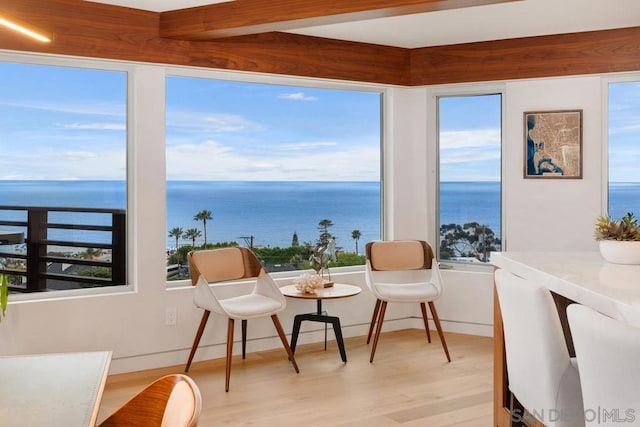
x: 620, y: 252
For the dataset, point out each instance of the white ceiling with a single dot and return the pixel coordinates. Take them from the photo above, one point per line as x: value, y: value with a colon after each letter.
x: 480, y: 23
x: 159, y: 5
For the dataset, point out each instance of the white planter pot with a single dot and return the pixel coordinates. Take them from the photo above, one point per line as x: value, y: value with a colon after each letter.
x: 620, y: 252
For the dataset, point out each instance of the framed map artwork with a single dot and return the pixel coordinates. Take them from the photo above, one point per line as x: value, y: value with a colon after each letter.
x: 553, y: 144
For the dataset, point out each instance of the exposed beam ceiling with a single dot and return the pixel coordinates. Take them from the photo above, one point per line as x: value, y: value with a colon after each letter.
x: 246, y: 17
x: 499, y: 21
x: 570, y: 37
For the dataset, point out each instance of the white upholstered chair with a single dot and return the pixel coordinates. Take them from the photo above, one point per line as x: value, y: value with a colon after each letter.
x: 264, y: 300
x: 608, y: 353
x: 403, y: 271
x: 542, y: 376
x: 171, y: 401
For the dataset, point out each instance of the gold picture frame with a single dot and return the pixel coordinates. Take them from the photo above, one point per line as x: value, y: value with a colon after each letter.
x: 553, y: 144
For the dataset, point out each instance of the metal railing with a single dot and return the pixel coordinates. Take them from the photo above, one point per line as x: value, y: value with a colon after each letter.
x: 63, y: 248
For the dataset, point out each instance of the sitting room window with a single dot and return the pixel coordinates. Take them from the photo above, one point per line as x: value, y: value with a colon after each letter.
x: 469, y: 141
x: 279, y: 169
x: 63, y: 144
x: 624, y: 148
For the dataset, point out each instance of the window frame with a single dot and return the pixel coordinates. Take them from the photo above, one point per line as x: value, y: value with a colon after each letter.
x: 606, y: 81
x: 98, y: 65
x: 433, y: 122
x: 260, y: 78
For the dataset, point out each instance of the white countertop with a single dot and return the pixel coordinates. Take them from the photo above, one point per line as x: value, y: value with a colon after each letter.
x: 584, y: 277
x: 62, y: 389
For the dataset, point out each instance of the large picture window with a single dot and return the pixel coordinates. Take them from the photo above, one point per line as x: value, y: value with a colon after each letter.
x: 279, y: 169
x: 624, y: 149
x: 469, y: 140
x: 63, y: 144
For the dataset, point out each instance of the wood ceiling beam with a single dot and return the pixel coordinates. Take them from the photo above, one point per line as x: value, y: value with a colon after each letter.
x: 245, y: 17
x: 95, y: 30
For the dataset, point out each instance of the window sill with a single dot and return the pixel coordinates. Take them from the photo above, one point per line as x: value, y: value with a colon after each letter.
x: 280, y: 277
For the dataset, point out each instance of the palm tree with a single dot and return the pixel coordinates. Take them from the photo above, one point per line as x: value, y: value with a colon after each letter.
x: 355, y: 235
x: 192, y: 234
x: 204, y: 216
x: 176, y: 232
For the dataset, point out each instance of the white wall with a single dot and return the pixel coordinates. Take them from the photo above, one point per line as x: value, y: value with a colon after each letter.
x: 553, y: 214
x: 544, y: 215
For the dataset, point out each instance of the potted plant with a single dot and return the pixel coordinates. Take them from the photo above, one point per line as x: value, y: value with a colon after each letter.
x: 619, y: 240
x: 319, y: 260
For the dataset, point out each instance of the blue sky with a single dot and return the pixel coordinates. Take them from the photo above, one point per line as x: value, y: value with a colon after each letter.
x: 57, y: 123
x: 221, y: 130
x: 65, y: 123
x: 624, y: 132
x: 470, y: 138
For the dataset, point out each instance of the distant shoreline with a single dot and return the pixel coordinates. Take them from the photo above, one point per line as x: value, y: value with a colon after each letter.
x: 272, y: 211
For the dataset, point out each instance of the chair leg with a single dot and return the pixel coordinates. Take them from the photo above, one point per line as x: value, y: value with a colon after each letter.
x: 283, y: 338
x: 423, y: 307
x: 376, y: 310
x: 516, y: 412
x: 244, y: 338
x: 383, y: 308
x: 196, y: 341
x: 229, y: 354
x: 436, y: 320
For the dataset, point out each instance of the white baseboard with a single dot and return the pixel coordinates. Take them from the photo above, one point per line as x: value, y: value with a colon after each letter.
x: 309, y: 333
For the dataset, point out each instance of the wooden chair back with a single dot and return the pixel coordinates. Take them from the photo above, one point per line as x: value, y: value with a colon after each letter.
x: 218, y: 265
x: 399, y: 255
x: 171, y: 401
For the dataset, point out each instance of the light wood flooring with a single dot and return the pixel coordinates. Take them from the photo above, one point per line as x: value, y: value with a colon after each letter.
x: 409, y: 384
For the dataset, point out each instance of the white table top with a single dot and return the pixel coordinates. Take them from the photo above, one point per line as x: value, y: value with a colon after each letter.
x: 584, y: 277
x: 52, y: 389
x: 338, y: 290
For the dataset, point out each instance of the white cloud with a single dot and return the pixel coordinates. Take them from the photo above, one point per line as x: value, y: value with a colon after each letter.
x: 470, y: 138
x: 98, y: 108
x: 212, y: 122
x: 468, y: 156
x: 48, y: 163
x: 628, y: 128
x: 469, y: 146
x: 214, y: 161
x: 306, y: 145
x: 298, y: 96
x: 80, y: 154
x: 93, y: 126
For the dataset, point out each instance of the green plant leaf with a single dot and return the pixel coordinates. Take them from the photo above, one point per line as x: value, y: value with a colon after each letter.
x: 627, y: 229
x: 4, y: 295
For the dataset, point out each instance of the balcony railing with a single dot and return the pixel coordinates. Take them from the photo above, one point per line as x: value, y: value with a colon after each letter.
x: 54, y: 248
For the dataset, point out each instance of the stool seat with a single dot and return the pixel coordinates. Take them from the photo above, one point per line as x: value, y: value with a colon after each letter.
x: 543, y: 378
x: 608, y: 353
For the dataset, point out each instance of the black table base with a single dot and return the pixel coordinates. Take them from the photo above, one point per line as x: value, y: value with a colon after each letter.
x: 321, y: 317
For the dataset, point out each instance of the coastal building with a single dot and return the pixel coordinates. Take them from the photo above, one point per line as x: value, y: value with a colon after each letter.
x: 538, y: 54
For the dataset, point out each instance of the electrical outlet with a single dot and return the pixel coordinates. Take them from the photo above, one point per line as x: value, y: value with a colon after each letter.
x: 170, y: 316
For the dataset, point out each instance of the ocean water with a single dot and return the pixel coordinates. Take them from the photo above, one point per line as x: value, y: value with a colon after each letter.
x: 272, y: 211
x: 624, y: 197
x: 269, y: 211
x: 463, y: 202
